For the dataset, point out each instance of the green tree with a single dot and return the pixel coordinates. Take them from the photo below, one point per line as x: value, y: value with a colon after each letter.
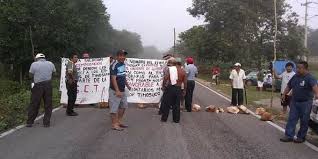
x: 58, y: 28
x: 242, y: 31
x: 129, y: 41
x: 313, y: 42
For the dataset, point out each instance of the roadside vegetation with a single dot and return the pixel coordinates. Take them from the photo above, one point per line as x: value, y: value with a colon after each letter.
x: 14, y: 102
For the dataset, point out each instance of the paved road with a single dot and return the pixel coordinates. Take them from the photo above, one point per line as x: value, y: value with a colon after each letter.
x: 199, y: 135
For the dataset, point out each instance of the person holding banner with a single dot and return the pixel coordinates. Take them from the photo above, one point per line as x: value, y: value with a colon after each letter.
x: 71, y: 85
x: 41, y: 71
x: 173, y: 80
x: 117, y: 95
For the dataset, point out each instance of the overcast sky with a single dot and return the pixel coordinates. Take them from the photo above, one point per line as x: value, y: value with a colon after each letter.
x: 154, y: 20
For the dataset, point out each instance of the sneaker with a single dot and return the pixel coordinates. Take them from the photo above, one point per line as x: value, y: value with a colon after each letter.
x: 286, y: 139
x: 123, y: 126
x: 72, y: 114
x: 299, y: 140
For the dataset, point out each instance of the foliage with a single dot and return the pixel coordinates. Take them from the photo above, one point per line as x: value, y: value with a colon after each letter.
x: 242, y: 31
x: 151, y: 52
x: 313, y: 42
x: 13, y: 106
x: 129, y: 41
x: 58, y: 28
x: 13, y: 109
x: 8, y: 88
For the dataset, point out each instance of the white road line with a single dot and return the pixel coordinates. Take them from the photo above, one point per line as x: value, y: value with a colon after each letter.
x: 315, y: 148
x: 22, y: 126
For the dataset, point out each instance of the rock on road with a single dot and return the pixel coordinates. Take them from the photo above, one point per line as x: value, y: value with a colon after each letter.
x: 199, y: 135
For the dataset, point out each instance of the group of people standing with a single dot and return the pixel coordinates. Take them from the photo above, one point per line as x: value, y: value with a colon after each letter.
x: 297, y: 91
x: 178, y: 86
x: 42, y: 71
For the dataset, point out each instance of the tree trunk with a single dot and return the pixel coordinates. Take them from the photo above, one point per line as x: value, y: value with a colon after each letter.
x: 31, y: 40
x: 21, y: 75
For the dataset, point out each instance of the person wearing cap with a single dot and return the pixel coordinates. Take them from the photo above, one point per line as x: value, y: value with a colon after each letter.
x: 117, y: 95
x: 41, y: 71
x: 172, y: 82
x: 71, y: 84
x: 170, y: 60
x: 167, y: 56
x: 192, y: 73
x: 237, y: 78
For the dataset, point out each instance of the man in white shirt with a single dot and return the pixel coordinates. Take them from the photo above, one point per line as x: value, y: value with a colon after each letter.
x: 237, y: 78
x: 285, y: 77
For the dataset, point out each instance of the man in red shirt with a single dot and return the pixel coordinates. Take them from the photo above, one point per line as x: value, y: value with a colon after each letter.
x: 216, y: 71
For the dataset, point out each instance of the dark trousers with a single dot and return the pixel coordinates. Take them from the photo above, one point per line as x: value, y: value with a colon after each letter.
x: 161, y: 103
x: 237, y: 96
x: 72, y: 95
x: 189, y: 95
x: 41, y: 90
x: 298, y: 111
x: 171, y: 98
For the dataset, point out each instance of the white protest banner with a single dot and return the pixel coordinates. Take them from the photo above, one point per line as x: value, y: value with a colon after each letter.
x: 145, y: 78
x: 93, y: 82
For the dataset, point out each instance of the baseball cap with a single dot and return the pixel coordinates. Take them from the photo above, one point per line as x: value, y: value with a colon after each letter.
x: 178, y: 59
x: 122, y: 52
x: 167, y: 56
x: 238, y: 65
x: 189, y: 60
x: 40, y: 55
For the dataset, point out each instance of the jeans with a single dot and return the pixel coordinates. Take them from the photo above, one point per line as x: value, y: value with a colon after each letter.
x: 298, y: 111
x: 237, y: 97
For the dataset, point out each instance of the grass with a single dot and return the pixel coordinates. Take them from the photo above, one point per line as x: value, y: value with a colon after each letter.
x: 13, y: 106
x: 252, y: 94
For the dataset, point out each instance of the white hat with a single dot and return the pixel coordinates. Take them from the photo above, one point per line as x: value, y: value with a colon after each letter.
x: 237, y: 64
x: 40, y: 55
x: 171, y: 59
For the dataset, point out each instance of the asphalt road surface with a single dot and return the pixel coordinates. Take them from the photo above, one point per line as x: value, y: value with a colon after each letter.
x: 200, y: 135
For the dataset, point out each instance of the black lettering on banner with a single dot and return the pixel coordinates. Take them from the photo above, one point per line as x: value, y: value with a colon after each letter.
x: 104, y: 79
x: 145, y: 77
x: 96, y: 80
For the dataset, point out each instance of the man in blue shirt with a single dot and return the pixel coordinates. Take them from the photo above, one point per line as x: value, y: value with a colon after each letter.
x: 117, y: 95
x: 192, y: 72
x: 304, y: 85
